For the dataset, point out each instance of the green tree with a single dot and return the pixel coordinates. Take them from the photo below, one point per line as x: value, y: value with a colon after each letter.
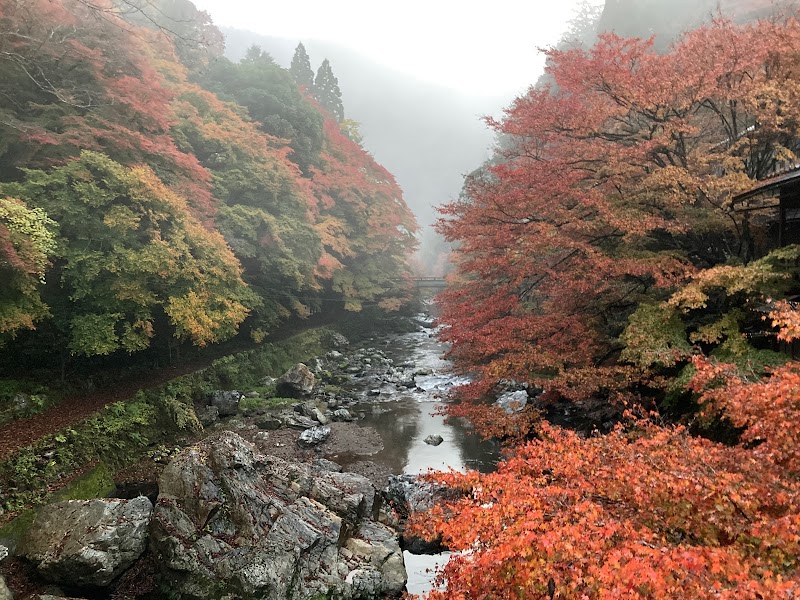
x: 272, y: 98
x: 26, y: 244
x: 131, y: 256
x: 301, y: 67
x: 327, y: 92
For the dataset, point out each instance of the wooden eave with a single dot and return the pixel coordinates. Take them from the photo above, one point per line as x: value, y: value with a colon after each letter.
x: 768, y: 185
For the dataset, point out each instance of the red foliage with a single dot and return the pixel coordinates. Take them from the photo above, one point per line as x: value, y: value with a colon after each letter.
x: 646, y: 513
x: 365, y: 225
x: 109, y: 97
x: 560, y: 239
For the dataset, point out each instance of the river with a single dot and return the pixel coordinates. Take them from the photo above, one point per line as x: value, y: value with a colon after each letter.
x: 404, y: 418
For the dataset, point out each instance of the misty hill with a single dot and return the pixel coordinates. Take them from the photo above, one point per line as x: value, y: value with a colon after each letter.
x: 427, y: 135
x: 669, y: 18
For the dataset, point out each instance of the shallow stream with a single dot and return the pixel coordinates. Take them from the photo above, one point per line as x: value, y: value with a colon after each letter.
x: 405, y: 417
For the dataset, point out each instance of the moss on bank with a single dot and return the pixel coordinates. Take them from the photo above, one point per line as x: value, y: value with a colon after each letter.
x: 122, y: 432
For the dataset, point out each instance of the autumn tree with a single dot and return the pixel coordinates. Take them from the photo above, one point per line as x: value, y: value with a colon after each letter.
x: 75, y: 90
x: 366, y: 228
x: 129, y: 250
x: 615, y: 185
x: 266, y: 215
x: 26, y: 245
x: 301, y: 68
x: 326, y: 91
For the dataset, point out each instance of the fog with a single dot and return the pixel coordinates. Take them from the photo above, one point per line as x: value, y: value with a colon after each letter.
x: 417, y: 77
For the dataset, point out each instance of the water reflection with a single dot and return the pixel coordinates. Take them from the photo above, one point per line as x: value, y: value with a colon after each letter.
x: 404, y: 418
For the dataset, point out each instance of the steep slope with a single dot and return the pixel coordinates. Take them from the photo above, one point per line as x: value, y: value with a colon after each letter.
x: 429, y: 136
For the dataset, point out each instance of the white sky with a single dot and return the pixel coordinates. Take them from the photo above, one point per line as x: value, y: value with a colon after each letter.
x: 487, y: 48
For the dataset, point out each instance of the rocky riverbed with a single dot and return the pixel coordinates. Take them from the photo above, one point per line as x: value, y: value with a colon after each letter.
x: 285, y: 496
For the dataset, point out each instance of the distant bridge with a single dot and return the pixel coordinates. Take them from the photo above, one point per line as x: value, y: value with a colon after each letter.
x: 429, y: 282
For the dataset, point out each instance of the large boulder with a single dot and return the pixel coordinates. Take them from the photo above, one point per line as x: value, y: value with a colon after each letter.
x: 231, y: 522
x: 337, y: 341
x: 225, y: 401
x: 87, y: 542
x: 297, y: 382
x: 314, y: 436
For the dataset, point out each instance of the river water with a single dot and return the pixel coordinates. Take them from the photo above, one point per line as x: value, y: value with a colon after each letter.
x: 404, y: 418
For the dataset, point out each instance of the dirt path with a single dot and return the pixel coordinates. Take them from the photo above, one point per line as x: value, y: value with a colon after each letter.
x: 20, y: 433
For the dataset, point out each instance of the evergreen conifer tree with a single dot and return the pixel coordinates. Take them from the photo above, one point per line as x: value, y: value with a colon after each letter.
x: 327, y: 92
x: 301, y: 67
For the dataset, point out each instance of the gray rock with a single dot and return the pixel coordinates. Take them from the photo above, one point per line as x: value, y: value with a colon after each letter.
x: 227, y: 402
x: 252, y: 394
x: 87, y: 543
x: 5, y: 593
x: 338, y: 341
x: 311, y: 411
x: 320, y: 417
x: 269, y: 422
x: 297, y: 382
x: 342, y: 414
x: 3, y: 552
x: 207, y: 415
x: 314, y: 436
x: 231, y: 522
x: 334, y: 355
x: 323, y: 464
x: 434, y: 440
x: 408, y: 495
x: 298, y: 421
x: 512, y: 402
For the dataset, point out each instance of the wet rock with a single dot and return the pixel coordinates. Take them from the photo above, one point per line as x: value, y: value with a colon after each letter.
x: 226, y: 402
x: 312, y: 412
x: 337, y: 341
x: 297, y: 382
x: 314, y: 436
x: 231, y: 522
x: 296, y: 421
x: 207, y: 415
x: 269, y: 422
x: 87, y: 543
x: 374, y: 392
x: 320, y: 417
x: 434, y: 440
x: 5, y: 593
x: 513, y: 402
x: 342, y: 414
x: 407, y: 495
